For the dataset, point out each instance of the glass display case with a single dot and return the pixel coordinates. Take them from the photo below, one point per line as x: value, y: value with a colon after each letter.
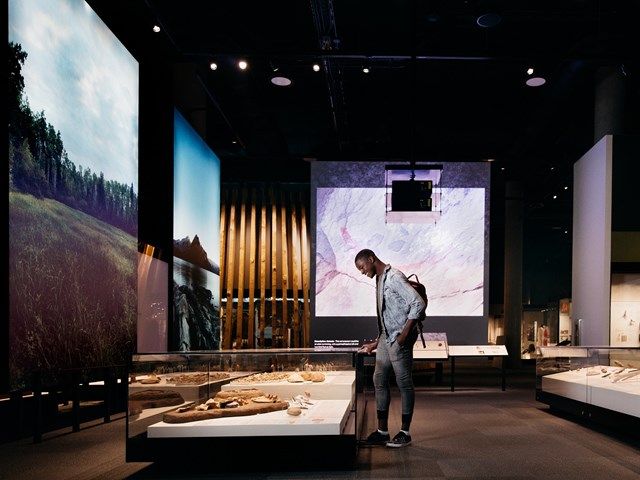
x: 269, y: 404
x: 598, y: 383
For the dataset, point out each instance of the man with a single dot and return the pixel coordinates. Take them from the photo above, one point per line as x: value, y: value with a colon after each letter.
x: 399, y: 307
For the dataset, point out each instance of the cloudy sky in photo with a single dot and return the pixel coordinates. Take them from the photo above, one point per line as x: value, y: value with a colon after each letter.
x: 84, y: 79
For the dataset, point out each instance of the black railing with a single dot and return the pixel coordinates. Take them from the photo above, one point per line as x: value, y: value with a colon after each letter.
x: 52, y: 400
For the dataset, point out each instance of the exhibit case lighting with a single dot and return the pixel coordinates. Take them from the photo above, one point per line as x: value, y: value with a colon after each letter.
x: 412, y: 193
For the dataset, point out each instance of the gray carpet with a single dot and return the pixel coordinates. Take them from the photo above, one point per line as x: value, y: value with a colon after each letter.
x: 471, y: 433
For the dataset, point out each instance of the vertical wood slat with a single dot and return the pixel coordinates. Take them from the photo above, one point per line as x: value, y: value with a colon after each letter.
x: 252, y: 271
x: 285, y: 268
x: 241, y: 267
x: 230, y: 268
x: 274, y: 264
x: 295, y: 266
x: 305, y: 255
x: 223, y: 243
x: 263, y: 265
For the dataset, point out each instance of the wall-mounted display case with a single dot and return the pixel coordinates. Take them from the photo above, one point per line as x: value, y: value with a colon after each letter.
x: 268, y: 404
x: 597, y: 383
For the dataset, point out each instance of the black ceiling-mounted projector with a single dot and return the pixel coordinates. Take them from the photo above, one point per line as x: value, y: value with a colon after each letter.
x: 411, y: 195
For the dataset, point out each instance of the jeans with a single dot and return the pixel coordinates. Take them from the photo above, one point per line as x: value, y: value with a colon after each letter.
x: 400, y: 359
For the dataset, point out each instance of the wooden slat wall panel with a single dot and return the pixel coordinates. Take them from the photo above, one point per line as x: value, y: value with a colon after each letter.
x: 252, y: 271
x: 241, y: 260
x: 285, y: 269
x: 249, y: 248
x: 231, y: 242
x: 306, y: 259
x: 263, y: 266
x: 274, y: 262
x: 295, y: 277
x: 223, y: 243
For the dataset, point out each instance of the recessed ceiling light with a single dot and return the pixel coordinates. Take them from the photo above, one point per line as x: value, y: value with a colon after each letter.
x: 553, y: 168
x: 242, y: 65
x: 566, y: 231
x: 491, y: 159
x: 213, y: 66
x: 529, y: 71
x: 555, y: 196
x: 489, y: 20
x: 234, y: 141
x: 365, y: 70
x: 566, y: 188
x: 281, y: 81
x: 535, y: 81
x: 316, y: 67
x: 156, y: 28
x: 502, y: 168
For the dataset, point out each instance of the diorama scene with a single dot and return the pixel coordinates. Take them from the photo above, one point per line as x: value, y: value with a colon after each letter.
x: 322, y: 239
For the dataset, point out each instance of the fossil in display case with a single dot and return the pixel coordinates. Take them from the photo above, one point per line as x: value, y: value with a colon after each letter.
x: 262, y: 377
x: 196, y: 378
x: 233, y: 403
x: 151, y: 379
x: 154, y: 398
x: 291, y: 377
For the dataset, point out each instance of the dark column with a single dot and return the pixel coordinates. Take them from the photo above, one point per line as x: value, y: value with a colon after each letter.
x: 513, y: 225
x: 609, y: 102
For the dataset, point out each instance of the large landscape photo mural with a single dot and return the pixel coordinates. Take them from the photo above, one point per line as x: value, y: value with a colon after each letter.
x: 73, y: 178
x: 196, y: 242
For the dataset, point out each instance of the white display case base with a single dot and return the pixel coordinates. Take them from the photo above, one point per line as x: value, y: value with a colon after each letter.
x: 325, y: 417
x: 623, y: 396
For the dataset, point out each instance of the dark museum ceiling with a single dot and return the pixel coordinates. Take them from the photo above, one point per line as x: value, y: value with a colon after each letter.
x: 440, y: 86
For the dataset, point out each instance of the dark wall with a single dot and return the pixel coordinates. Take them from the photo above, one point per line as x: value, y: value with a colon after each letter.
x: 155, y: 170
x: 626, y: 172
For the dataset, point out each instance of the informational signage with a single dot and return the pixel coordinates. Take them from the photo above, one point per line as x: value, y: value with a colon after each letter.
x: 477, y: 350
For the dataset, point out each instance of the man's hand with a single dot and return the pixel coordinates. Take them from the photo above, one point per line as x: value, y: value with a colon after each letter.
x: 368, y: 347
x: 402, y: 338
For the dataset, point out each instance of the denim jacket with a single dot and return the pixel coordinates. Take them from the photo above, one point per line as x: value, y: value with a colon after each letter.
x: 397, y: 302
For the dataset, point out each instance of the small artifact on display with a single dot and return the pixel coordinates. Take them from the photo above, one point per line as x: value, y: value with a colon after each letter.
x: 150, y: 379
x: 153, y: 398
x: 230, y: 403
x: 291, y: 377
x: 619, y: 373
x: 196, y: 378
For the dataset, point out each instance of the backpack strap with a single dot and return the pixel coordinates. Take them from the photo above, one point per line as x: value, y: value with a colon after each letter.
x: 419, y: 321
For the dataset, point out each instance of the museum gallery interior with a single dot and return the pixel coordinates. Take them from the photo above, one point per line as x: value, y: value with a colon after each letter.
x: 188, y: 186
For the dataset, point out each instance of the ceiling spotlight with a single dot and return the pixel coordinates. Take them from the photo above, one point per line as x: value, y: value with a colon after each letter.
x: 234, y: 141
x: 535, y: 81
x: 156, y: 28
x: 365, y: 70
x: 316, y: 67
x: 213, y: 66
x: 281, y: 81
x: 491, y: 159
x: 502, y: 168
x: 242, y: 65
x: 566, y: 188
x: 555, y: 196
x: 553, y: 168
x: 566, y: 231
x: 488, y: 20
x: 529, y: 71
